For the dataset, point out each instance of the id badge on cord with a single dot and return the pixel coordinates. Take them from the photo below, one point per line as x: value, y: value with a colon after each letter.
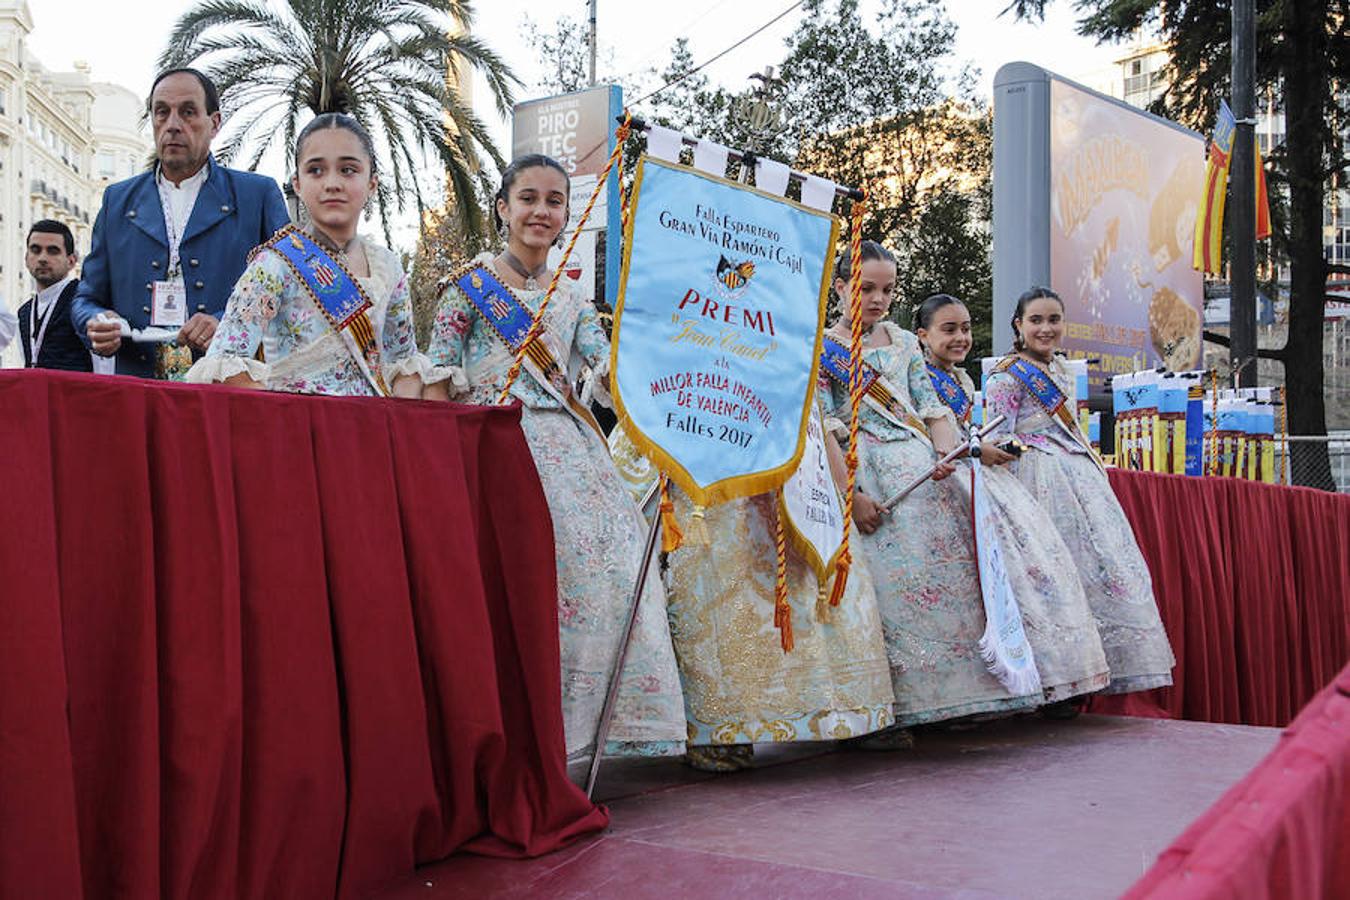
x: 168, y: 308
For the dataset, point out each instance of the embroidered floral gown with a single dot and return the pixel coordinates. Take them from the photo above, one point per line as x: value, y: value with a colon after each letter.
x: 1055, y: 612
x: 598, y: 532
x: 302, y: 354
x: 739, y: 685
x: 1060, y: 474
x: 921, y: 556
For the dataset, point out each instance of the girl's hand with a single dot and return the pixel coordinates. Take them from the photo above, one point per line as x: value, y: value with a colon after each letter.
x: 992, y: 454
x: 942, y: 471
x: 866, y: 513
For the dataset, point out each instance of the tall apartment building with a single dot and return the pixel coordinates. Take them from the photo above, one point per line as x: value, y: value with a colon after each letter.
x: 63, y: 138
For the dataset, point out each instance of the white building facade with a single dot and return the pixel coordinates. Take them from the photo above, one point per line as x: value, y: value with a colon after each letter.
x: 63, y: 138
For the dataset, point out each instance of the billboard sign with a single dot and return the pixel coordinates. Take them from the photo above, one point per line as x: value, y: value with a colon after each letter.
x: 1104, y: 214
x: 577, y: 130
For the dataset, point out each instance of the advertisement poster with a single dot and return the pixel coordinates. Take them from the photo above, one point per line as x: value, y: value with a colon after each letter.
x: 717, y: 330
x: 578, y: 131
x: 1124, y: 193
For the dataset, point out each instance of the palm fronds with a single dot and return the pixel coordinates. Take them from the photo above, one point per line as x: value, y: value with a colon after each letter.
x: 391, y: 64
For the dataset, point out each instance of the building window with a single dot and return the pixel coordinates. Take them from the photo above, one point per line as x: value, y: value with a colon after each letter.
x: 107, y: 164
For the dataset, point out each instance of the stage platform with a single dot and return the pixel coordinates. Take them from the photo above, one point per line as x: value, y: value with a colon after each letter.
x: 1020, y: 808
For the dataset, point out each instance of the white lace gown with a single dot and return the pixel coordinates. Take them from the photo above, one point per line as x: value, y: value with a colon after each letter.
x: 1064, y: 479
x: 1055, y: 611
x: 922, y: 557
x: 598, y: 531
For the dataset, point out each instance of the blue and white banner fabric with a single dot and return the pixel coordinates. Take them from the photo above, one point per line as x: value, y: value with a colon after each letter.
x: 811, y: 505
x: 1004, y: 646
x: 717, y: 329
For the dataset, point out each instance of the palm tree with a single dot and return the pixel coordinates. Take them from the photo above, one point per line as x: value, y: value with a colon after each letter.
x: 391, y: 64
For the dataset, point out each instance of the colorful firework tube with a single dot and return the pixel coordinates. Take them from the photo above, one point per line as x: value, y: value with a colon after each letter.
x: 1195, y: 423
x: 1149, y: 422
x: 1172, y: 412
x: 1230, y: 432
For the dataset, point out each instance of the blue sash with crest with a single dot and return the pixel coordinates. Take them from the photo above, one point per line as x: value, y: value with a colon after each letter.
x: 1047, y: 393
x: 836, y: 359
x: 337, y: 294
x: 511, y: 320
x: 835, y: 362
x: 1039, y: 384
x: 949, y: 390
x: 498, y: 306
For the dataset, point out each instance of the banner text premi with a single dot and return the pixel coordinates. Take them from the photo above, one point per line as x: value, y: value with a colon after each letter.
x: 717, y: 329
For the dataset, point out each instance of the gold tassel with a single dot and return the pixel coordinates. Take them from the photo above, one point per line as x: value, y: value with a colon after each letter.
x: 823, y: 614
x: 698, y: 528
x: 841, y: 577
x: 672, y: 538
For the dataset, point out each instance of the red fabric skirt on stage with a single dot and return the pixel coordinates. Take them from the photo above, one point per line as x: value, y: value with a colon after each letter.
x: 1253, y: 583
x: 270, y: 645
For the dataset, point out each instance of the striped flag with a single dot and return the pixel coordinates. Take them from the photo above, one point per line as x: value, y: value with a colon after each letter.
x: 1262, y: 200
x: 1208, y: 247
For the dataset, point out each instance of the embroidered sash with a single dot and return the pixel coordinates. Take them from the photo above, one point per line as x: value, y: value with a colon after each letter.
x: 1041, y: 386
x: 950, y: 392
x: 511, y: 321
x: 1004, y: 645
x: 835, y: 362
x: 338, y: 296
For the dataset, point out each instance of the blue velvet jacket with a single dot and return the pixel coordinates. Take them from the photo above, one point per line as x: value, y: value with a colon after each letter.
x: 235, y: 212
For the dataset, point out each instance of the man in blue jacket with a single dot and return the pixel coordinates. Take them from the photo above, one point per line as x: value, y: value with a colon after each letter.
x: 169, y: 244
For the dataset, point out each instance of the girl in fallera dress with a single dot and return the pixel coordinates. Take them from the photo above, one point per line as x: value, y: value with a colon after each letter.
x: 921, y: 555
x: 1041, y: 572
x: 1063, y: 473
x: 740, y: 686
x: 598, y: 531
x: 295, y: 301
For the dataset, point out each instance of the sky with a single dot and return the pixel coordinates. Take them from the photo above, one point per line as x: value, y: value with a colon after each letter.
x: 122, y: 48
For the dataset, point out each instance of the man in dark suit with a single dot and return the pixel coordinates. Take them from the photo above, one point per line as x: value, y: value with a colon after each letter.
x: 48, y: 339
x: 169, y: 244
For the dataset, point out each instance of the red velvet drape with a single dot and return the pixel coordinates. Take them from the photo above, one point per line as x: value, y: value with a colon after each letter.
x: 1282, y: 832
x: 1253, y: 582
x: 260, y: 645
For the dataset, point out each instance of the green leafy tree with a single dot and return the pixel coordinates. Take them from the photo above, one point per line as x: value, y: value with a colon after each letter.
x: 1303, y: 57
x: 563, y: 50
x: 391, y: 64
x: 878, y: 108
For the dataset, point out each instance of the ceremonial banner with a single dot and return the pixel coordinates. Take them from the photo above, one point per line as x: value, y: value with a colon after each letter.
x: 717, y: 329
x: 815, y: 517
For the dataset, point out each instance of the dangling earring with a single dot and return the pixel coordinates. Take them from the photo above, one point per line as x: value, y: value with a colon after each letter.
x: 558, y: 241
x: 503, y: 232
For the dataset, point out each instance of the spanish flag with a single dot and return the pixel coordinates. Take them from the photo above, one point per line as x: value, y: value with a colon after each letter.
x: 1208, y: 245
